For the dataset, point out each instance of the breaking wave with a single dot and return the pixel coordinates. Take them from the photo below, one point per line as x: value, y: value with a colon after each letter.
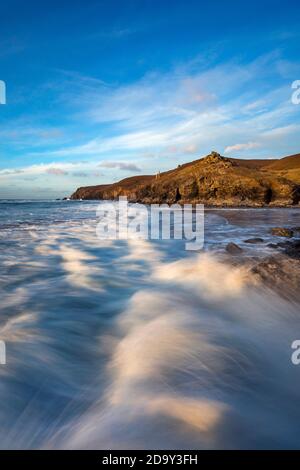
x: 200, y: 360
x: 138, y: 344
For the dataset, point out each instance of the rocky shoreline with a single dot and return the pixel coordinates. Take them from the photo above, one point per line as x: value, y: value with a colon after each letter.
x: 214, y: 180
x: 279, y: 271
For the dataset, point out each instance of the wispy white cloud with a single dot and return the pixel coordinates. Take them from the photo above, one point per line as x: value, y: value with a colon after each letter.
x: 191, y: 112
x: 120, y: 165
x: 63, y: 175
x: 237, y: 147
x: 162, y: 120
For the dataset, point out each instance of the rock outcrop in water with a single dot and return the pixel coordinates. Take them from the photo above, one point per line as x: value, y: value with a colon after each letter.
x: 281, y: 272
x: 213, y: 180
x: 282, y: 232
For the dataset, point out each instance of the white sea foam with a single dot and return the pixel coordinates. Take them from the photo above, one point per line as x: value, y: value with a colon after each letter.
x: 189, y: 364
x: 138, y: 344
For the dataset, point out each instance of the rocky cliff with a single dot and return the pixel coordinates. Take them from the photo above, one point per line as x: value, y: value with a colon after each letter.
x: 213, y: 180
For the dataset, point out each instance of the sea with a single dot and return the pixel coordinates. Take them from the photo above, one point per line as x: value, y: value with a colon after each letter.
x: 142, y: 344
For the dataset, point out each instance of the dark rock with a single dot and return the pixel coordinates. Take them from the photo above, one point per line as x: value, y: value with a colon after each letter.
x: 233, y: 249
x: 280, y: 273
x: 284, y: 244
x: 289, y: 248
x: 254, y: 240
x: 296, y: 229
x: 282, y: 232
x: 293, y: 250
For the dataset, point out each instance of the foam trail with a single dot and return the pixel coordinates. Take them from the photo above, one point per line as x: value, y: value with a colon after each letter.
x: 195, y: 367
x: 138, y: 344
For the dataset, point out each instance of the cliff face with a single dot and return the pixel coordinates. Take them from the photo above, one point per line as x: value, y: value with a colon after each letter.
x: 212, y: 180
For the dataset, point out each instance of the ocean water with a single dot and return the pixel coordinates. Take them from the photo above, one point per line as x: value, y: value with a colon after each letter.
x: 141, y: 344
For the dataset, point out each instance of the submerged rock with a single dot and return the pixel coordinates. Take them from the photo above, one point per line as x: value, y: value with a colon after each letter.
x: 272, y: 245
x: 281, y: 273
x: 296, y: 230
x: 254, y: 240
x: 233, y: 248
x: 293, y: 249
x: 284, y: 244
x: 214, y: 180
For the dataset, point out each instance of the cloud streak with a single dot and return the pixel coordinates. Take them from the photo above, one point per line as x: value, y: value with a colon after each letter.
x: 159, y: 121
x: 120, y: 166
x: 237, y: 147
x: 192, y: 112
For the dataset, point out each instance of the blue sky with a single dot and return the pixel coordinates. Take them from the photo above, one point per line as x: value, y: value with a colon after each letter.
x: 101, y: 90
